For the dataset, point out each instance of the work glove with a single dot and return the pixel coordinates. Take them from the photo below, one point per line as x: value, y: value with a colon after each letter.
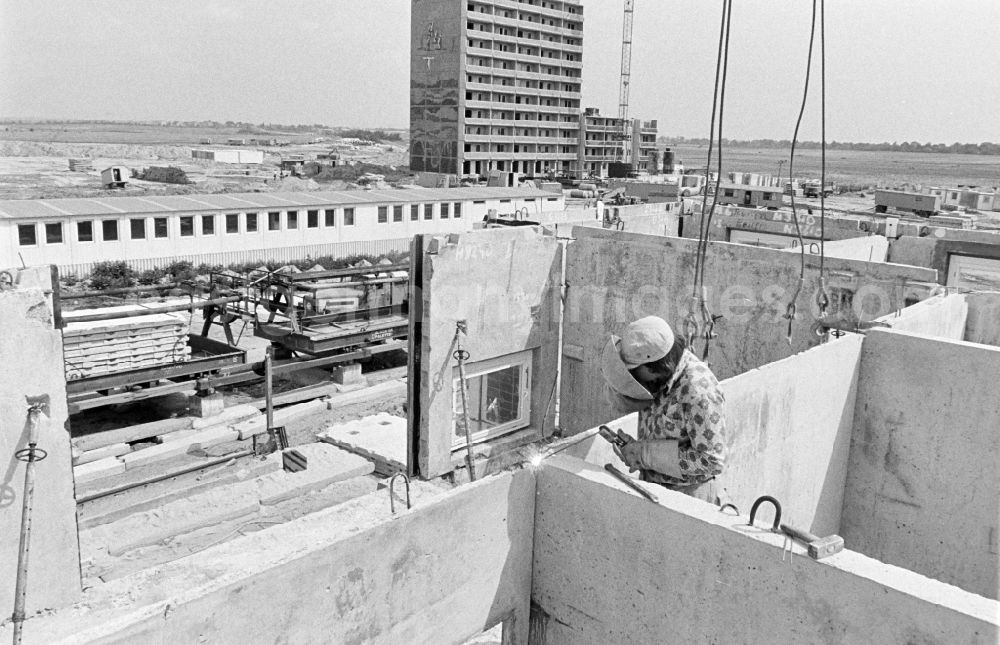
x: 659, y: 455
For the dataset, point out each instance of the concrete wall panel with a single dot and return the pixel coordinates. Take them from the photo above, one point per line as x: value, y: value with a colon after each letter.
x: 941, y: 316
x: 983, y: 322
x: 616, y: 277
x: 31, y: 350
x: 504, y: 284
x: 352, y: 575
x: 789, y: 433
x: 612, y: 567
x: 923, y: 484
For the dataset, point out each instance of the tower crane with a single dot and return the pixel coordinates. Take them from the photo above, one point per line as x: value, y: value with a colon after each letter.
x: 626, y: 72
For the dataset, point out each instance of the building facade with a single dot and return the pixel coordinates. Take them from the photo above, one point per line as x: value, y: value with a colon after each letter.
x: 601, y: 144
x: 495, y: 86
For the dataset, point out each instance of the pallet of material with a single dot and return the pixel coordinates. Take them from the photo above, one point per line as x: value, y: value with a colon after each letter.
x: 81, y: 165
x: 121, y: 344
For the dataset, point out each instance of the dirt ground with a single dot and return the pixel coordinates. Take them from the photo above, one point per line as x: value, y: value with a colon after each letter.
x: 39, y: 169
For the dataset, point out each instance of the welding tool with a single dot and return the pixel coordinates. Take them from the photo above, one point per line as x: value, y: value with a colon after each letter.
x: 631, y: 483
x: 609, y: 435
x: 819, y: 548
x: 30, y: 455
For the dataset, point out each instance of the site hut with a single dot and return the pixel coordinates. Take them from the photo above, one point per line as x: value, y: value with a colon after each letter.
x: 918, y: 203
x: 752, y: 196
x: 224, y: 229
x: 114, y: 177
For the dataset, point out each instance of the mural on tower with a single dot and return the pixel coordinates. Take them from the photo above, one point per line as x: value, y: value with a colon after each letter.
x: 435, y: 87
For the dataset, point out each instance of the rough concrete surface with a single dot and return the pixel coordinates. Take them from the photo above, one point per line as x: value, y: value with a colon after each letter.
x: 983, y: 322
x: 869, y: 248
x: 943, y: 316
x: 615, y: 278
x: 923, y: 484
x: 504, y: 284
x: 788, y: 432
x: 350, y: 574
x: 326, y: 465
x: 612, y: 567
x: 31, y: 349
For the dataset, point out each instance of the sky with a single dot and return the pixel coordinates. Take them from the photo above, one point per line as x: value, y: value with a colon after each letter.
x: 921, y: 70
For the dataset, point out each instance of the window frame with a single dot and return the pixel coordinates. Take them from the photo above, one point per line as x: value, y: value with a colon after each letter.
x: 207, y: 227
x: 397, y: 213
x: 428, y: 212
x: 104, y: 230
x: 349, y: 218
x: 166, y: 228
x: 522, y: 359
x: 134, y: 231
x: 330, y: 217
x: 383, y: 214
x: 312, y: 218
x: 22, y: 229
x: 79, y: 225
x: 59, y: 232
x: 232, y: 217
x: 414, y: 212
x: 292, y: 220
x: 273, y: 220
x: 251, y: 217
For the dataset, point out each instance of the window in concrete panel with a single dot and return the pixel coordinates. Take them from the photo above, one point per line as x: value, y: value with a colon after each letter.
x: 383, y: 214
x: 414, y: 212
x: 348, y: 217
x: 330, y: 216
x: 312, y: 219
x: 428, y: 211
x: 208, y: 224
x: 85, y: 231
x: 53, y: 233
x: 251, y: 222
x: 109, y: 230
x: 187, y: 226
x: 397, y: 213
x: 232, y: 223
x: 26, y: 235
x: 498, y: 397
x: 458, y: 210
x: 160, y: 227
x: 293, y: 220
x: 974, y: 273
x: 274, y: 221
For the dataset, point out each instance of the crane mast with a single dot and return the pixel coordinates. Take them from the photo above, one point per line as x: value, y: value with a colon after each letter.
x: 626, y: 73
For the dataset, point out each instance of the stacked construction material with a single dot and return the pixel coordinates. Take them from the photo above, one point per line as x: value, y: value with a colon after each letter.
x: 81, y: 165
x: 122, y: 344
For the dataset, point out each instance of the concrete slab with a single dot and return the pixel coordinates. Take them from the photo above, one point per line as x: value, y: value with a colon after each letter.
x: 326, y: 465
x: 200, y: 439
x: 114, y: 450
x: 93, y: 470
x: 380, y: 438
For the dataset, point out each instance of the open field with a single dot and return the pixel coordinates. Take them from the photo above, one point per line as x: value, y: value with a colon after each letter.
x: 34, y: 158
x: 882, y: 169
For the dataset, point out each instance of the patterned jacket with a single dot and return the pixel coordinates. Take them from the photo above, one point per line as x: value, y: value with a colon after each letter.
x: 690, y: 410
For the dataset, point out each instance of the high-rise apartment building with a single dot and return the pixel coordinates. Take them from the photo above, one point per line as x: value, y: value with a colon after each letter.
x: 495, y: 86
x: 601, y: 144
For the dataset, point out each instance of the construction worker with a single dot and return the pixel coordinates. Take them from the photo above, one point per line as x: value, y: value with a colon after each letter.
x: 681, y: 434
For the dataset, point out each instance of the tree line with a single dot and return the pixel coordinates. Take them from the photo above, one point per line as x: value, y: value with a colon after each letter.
x: 985, y: 148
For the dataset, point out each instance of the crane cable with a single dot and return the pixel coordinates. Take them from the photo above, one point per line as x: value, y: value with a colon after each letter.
x: 790, y: 310
x: 698, y: 295
x: 822, y: 297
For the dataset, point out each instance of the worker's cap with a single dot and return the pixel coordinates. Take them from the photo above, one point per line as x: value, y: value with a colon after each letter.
x: 646, y: 340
